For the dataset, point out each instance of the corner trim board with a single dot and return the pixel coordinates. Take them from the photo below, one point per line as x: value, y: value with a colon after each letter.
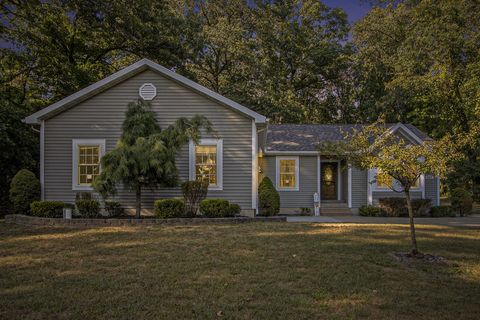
x: 254, y: 167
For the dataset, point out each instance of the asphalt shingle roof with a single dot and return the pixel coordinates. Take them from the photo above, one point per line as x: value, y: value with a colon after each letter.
x: 306, y: 137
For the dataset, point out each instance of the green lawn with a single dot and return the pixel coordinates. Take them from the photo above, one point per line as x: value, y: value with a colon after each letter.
x: 247, y: 271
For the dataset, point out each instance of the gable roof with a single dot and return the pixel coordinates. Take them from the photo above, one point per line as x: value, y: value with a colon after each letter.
x: 128, y: 72
x: 306, y: 137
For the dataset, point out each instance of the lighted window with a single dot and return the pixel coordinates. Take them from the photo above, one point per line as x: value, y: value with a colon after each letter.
x: 287, y: 173
x: 88, y: 164
x: 384, y: 180
x: 206, y: 163
x: 86, y: 155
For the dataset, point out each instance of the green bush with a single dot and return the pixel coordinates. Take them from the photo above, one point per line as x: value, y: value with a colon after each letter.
x: 462, y: 202
x: 193, y: 193
x: 215, y: 208
x: 47, y: 209
x: 268, y: 198
x: 169, y: 208
x: 421, y: 207
x: 442, y: 211
x: 235, y: 209
x: 88, y: 208
x: 83, y: 196
x: 397, y: 207
x: 370, y: 211
x: 24, y: 189
x: 114, y: 209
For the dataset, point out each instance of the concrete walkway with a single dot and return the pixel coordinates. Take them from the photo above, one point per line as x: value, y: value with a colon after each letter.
x: 472, y: 221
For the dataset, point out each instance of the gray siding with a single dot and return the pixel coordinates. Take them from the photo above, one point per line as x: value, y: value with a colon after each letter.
x: 391, y: 194
x: 359, y: 187
x: 431, y: 189
x: 307, y: 182
x: 101, y: 117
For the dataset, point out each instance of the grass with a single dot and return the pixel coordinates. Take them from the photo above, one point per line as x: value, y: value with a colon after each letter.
x: 261, y: 271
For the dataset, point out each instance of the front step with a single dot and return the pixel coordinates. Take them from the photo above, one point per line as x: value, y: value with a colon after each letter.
x: 334, y: 208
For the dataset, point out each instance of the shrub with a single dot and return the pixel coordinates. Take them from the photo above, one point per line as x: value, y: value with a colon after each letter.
x: 114, y: 209
x: 462, y: 201
x: 442, y: 211
x: 421, y: 207
x: 268, y: 198
x: 88, y: 208
x: 393, y: 207
x: 47, y: 209
x: 83, y: 196
x: 193, y: 193
x: 370, y: 211
x: 24, y: 189
x: 235, y: 209
x: 215, y: 208
x: 169, y: 208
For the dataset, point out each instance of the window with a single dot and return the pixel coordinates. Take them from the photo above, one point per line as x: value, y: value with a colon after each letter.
x: 287, y: 173
x: 206, y: 162
x: 385, y: 181
x: 88, y: 164
x: 86, y: 157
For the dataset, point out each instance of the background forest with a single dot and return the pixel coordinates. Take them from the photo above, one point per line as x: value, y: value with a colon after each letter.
x: 293, y: 61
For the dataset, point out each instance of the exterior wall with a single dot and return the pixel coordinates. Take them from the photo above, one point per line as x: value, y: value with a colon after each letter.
x: 431, y: 189
x: 359, y: 188
x: 303, y: 198
x: 101, y: 117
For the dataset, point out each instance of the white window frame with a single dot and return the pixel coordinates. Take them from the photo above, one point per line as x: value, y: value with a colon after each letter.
x: 207, y: 142
x: 84, y: 142
x: 376, y: 188
x: 277, y: 174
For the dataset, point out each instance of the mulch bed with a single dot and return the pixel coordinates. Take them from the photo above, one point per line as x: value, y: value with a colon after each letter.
x: 408, y: 257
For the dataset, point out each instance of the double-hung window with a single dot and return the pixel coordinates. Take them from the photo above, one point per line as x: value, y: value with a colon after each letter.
x: 385, y: 181
x: 206, y: 162
x: 287, y: 173
x: 86, y: 155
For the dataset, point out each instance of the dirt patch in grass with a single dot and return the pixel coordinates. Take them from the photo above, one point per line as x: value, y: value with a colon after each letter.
x: 246, y: 271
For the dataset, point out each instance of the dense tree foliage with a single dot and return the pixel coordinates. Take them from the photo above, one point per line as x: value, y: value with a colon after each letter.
x: 294, y: 61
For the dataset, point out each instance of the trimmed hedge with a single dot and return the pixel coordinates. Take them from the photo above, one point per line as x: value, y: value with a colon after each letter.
x: 215, y: 208
x: 24, y: 189
x: 442, y: 211
x: 370, y: 211
x: 235, y: 209
x: 268, y: 198
x: 169, y: 208
x: 397, y: 207
x: 88, y: 208
x: 462, y: 201
x: 47, y: 209
x: 114, y: 209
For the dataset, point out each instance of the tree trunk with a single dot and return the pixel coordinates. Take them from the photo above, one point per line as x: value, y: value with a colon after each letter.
x: 412, y: 224
x: 138, y: 201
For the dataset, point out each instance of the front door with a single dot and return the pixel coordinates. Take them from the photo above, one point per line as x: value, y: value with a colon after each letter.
x: 329, y: 181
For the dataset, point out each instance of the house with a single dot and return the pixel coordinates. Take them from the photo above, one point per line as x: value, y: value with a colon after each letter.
x: 77, y: 130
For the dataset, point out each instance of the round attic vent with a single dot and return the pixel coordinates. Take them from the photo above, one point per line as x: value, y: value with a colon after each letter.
x: 147, y: 91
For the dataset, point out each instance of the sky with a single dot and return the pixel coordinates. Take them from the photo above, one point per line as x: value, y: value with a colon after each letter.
x: 355, y: 9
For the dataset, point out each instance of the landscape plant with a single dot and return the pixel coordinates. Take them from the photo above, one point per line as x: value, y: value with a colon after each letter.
x: 169, y: 208
x: 144, y: 157
x: 47, y: 209
x: 377, y: 146
x: 24, y: 189
x: 193, y: 193
x: 268, y: 198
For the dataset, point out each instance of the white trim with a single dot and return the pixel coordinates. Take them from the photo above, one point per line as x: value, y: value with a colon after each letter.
x: 319, y: 168
x: 141, y: 94
x: 293, y: 153
x: 191, y: 160
x: 438, y: 190
x: 88, y: 142
x: 277, y: 173
x: 42, y: 160
x: 254, y: 167
x: 369, y: 187
x: 407, y: 130
x: 128, y: 72
x: 421, y: 182
x: 349, y: 186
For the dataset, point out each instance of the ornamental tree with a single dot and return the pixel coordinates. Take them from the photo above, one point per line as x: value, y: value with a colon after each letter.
x: 145, y: 155
x: 378, y: 146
